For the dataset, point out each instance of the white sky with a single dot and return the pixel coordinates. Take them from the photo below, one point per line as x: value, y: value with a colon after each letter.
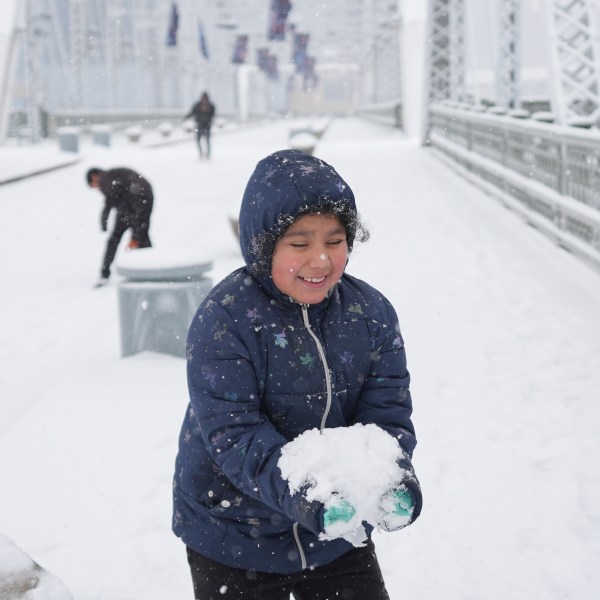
x: 501, y: 330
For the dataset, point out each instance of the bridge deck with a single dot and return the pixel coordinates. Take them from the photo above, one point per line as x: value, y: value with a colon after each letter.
x: 501, y: 329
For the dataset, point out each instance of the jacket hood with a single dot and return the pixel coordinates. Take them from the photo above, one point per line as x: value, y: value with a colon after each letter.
x: 284, y: 186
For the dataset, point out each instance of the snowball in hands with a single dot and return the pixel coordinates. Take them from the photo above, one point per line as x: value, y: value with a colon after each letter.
x: 357, y: 464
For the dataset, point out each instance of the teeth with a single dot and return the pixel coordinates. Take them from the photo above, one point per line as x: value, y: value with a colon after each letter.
x: 314, y: 279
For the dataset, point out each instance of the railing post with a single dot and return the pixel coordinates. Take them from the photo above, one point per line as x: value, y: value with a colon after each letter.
x: 561, y: 183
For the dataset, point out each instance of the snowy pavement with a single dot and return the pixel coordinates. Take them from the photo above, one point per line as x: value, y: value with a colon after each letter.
x: 501, y: 330
x: 18, y: 162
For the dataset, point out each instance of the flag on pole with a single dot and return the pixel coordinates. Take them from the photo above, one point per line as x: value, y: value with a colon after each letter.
x: 308, y: 73
x: 262, y: 58
x: 240, y: 51
x: 272, y: 69
x: 202, y: 41
x: 278, y: 14
x: 173, y: 25
x: 267, y: 63
x: 300, y: 50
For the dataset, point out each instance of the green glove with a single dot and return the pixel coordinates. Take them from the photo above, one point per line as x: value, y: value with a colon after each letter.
x: 397, y: 507
x: 342, y: 511
x: 404, y: 503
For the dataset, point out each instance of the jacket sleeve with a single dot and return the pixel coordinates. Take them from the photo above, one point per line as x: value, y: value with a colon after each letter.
x: 192, y: 112
x: 385, y: 398
x: 104, y: 216
x: 225, y: 393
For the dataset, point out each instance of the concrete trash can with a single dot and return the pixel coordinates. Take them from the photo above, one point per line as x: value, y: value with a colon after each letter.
x: 101, y: 135
x: 158, y: 299
x: 68, y: 139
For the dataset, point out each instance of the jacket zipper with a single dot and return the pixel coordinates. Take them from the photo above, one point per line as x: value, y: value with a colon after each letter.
x: 299, y: 546
x: 325, y: 414
x: 325, y: 365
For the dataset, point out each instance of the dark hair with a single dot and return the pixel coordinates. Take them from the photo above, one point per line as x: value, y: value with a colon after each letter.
x: 350, y: 219
x: 91, y: 172
x: 264, y: 244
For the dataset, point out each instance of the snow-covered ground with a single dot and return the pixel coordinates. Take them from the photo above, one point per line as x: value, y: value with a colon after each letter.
x: 502, y: 335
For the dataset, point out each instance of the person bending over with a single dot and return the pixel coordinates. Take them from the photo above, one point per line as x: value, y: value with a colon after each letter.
x: 131, y: 196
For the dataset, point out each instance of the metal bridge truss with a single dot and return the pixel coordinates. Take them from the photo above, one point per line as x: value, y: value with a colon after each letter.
x: 445, y: 60
x: 507, y: 74
x: 546, y: 173
x: 575, y: 57
x: 456, y: 24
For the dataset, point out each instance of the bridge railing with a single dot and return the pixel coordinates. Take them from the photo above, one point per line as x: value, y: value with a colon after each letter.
x: 388, y: 113
x: 550, y: 174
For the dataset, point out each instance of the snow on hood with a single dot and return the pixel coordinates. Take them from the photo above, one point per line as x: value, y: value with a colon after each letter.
x: 284, y: 186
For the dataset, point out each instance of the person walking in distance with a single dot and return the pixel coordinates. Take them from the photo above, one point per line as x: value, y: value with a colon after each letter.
x: 203, y: 112
x: 131, y: 196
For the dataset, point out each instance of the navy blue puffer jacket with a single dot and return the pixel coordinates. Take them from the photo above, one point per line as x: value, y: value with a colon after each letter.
x: 260, y: 370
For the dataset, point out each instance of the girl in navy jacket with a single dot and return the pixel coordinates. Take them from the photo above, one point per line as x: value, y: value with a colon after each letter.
x: 285, y: 344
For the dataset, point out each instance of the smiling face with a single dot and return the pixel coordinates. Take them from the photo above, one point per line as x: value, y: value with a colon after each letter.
x: 310, y: 258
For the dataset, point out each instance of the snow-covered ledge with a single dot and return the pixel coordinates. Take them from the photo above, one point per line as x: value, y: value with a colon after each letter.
x: 158, y: 264
x: 21, y: 578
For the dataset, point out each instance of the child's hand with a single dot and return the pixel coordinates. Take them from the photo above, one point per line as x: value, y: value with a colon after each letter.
x: 397, y: 507
x: 339, y: 510
x: 339, y: 517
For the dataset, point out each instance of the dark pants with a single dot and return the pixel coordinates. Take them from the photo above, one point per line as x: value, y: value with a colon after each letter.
x: 139, y: 225
x: 203, y: 131
x: 353, y: 576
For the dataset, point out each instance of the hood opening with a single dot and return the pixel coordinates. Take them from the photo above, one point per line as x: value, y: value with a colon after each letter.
x: 284, y: 186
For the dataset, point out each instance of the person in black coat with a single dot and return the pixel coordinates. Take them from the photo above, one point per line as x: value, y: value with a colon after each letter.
x: 131, y: 195
x: 203, y: 112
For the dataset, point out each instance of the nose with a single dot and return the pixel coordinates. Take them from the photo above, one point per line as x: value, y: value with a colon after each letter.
x: 319, y: 259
